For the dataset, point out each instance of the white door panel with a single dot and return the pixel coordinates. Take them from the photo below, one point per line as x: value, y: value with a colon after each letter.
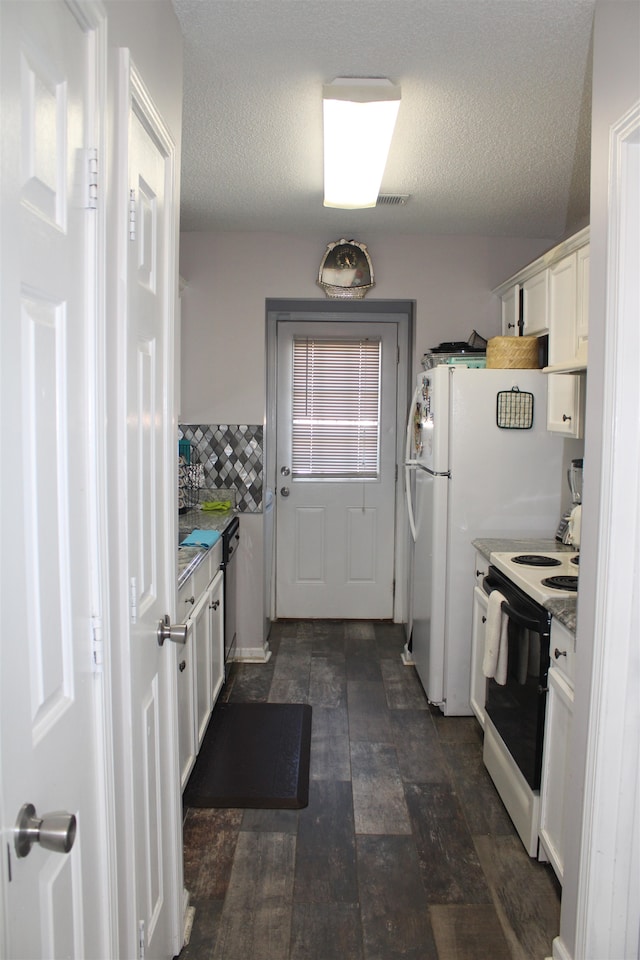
x: 150, y: 501
x: 51, y: 735
x: 335, y: 539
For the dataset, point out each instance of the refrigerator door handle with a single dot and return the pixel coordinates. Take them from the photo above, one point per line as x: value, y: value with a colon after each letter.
x: 407, y: 488
x: 414, y: 400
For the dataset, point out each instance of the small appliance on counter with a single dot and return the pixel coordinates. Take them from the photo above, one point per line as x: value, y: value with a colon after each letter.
x: 569, y: 526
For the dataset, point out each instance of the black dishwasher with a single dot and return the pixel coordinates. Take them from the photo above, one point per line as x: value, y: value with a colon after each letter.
x: 230, y: 544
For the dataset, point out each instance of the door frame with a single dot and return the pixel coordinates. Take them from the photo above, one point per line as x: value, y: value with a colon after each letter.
x: 401, y: 312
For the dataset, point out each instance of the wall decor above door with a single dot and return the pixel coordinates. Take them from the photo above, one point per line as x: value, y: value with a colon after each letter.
x: 346, y: 271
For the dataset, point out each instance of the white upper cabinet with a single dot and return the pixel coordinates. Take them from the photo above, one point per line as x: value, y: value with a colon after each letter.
x: 565, y: 394
x: 551, y: 297
x: 535, y: 305
x: 511, y: 311
x: 582, y: 315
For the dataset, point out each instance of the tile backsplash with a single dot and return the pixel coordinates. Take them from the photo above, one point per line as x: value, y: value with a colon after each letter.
x: 231, y: 456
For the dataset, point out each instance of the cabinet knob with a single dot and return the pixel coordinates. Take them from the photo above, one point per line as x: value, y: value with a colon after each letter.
x: 182, y: 665
x: 559, y: 653
x: 565, y: 417
x: 484, y: 619
x: 481, y: 573
x: 214, y: 605
x: 510, y: 326
x: 190, y: 600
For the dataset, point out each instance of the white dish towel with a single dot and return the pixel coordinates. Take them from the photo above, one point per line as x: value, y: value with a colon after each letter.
x: 496, y: 644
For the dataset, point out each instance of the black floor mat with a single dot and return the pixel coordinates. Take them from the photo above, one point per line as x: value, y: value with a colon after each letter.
x: 253, y: 755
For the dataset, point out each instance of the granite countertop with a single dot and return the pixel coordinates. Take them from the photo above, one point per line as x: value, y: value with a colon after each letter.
x: 191, y: 557
x: 562, y: 608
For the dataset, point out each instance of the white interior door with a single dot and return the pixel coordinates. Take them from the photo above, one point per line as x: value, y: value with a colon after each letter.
x: 335, y: 537
x: 151, y: 445
x: 56, y: 903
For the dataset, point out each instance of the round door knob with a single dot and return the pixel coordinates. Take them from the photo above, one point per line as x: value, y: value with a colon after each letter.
x: 55, y: 831
x: 171, y: 631
x: 284, y: 491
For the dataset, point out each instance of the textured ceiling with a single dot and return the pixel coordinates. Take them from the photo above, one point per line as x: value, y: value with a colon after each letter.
x: 492, y: 137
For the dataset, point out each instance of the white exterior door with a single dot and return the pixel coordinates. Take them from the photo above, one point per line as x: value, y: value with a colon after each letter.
x: 55, y: 904
x: 151, y: 457
x: 335, y: 538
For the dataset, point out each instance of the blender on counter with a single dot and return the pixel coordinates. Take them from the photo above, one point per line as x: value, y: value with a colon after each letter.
x: 568, y: 531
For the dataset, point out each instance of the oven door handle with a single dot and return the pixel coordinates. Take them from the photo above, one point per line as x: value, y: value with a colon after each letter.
x: 518, y: 618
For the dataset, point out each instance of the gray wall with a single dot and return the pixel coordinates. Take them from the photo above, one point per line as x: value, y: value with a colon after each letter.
x: 229, y: 277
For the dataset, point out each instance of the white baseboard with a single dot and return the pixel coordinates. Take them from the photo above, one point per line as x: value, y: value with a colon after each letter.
x: 560, y: 952
x: 259, y: 654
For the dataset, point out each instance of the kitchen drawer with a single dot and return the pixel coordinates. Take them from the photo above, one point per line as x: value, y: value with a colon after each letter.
x: 563, y: 650
x: 193, y: 588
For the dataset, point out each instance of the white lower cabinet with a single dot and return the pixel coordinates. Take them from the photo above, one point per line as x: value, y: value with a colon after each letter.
x: 199, y: 661
x: 209, y: 660
x: 557, y: 741
x: 478, y: 692
x: 186, y: 706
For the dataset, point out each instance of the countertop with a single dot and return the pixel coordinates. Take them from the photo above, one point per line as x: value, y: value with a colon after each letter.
x: 191, y: 557
x: 563, y: 609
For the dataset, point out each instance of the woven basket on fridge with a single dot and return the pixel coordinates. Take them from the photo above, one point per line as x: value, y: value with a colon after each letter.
x: 513, y: 353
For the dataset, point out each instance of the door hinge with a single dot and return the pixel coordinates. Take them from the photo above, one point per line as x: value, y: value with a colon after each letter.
x: 132, y: 214
x: 141, y: 940
x: 97, y: 645
x: 133, y: 600
x: 92, y: 178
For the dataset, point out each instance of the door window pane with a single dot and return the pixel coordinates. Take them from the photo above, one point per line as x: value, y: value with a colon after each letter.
x: 336, y: 408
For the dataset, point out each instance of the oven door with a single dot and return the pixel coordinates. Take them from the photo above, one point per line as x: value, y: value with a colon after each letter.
x: 517, y: 709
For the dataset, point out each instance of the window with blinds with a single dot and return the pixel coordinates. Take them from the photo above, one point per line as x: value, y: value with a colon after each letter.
x: 336, y: 408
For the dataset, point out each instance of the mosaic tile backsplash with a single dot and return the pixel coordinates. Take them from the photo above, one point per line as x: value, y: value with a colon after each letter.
x: 231, y: 457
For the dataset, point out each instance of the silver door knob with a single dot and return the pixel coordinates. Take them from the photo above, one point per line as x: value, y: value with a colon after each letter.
x: 55, y: 831
x: 171, y: 631
x: 284, y: 491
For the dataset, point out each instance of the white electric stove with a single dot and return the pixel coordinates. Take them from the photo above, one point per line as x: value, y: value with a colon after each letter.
x: 541, y: 575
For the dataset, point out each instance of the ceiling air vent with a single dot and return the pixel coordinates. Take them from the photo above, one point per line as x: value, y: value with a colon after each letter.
x: 392, y: 199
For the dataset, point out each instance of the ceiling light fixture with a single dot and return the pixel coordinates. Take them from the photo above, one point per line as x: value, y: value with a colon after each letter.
x: 359, y: 117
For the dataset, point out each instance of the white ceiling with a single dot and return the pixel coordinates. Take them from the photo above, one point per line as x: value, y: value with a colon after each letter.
x: 492, y: 137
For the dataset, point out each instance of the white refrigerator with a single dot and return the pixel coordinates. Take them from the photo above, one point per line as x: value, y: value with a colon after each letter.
x: 468, y: 477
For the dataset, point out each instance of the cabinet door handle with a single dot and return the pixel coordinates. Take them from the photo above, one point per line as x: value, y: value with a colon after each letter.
x: 182, y: 666
x: 559, y: 653
x: 214, y: 605
x: 565, y: 417
x: 481, y: 573
x: 484, y: 619
x: 190, y: 600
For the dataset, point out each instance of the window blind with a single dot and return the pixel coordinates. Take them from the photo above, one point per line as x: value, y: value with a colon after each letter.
x: 336, y: 408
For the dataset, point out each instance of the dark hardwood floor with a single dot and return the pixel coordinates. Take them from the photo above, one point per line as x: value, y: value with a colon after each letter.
x: 405, y: 849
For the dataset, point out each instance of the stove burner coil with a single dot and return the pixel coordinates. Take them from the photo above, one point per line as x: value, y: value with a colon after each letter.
x: 535, y: 560
x: 562, y: 582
